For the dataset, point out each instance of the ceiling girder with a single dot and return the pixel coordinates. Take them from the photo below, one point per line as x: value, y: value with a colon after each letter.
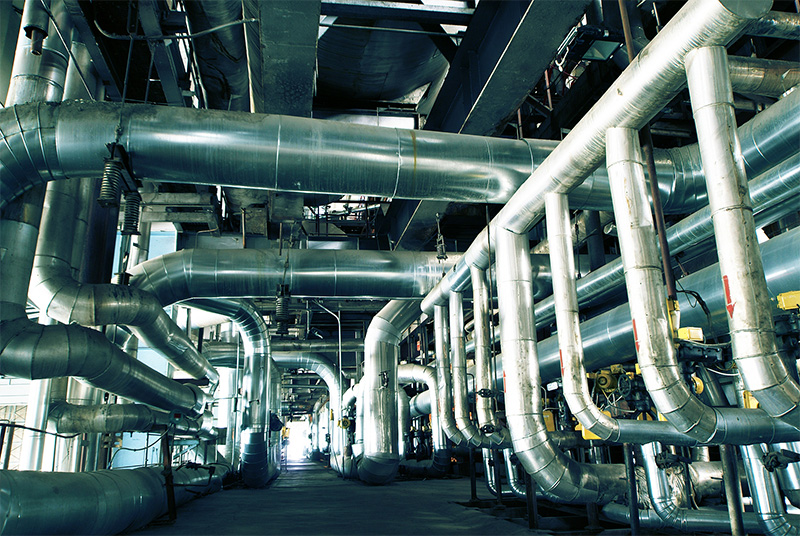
x: 378, y: 10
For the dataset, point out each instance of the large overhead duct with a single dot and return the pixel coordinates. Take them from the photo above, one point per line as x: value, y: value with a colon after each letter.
x: 643, y: 88
x: 53, y: 142
x: 99, y: 502
x: 195, y: 273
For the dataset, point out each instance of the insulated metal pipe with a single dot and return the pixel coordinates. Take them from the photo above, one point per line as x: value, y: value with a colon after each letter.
x: 665, y: 505
x: 777, y: 24
x: 704, y: 520
x: 115, y: 418
x: 257, y: 466
x: 458, y: 356
x: 747, y: 299
x: 763, y: 77
x: 643, y: 277
x: 776, y: 191
x: 100, y: 502
x: 380, y: 460
x: 221, y: 57
x: 555, y: 473
x: 443, y: 376
x: 767, y: 499
x: 198, y: 273
x: 646, y: 85
x: 271, y: 151
x: 608, y: 338
x: 570, y: 343
x: 57, y: 294
x: 487, y: 420
x: 33, y: 351
x: 410, y: 372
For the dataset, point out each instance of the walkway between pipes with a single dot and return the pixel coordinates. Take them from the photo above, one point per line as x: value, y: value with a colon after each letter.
x: 308, y: 498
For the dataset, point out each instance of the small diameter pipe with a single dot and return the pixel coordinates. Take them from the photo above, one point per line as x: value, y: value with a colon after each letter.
x: 443, y: 376
x: 487, y: 420
x: 747, y: 298
x: 467, y: 428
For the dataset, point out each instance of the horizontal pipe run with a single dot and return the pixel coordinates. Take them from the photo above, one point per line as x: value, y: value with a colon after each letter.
x: 115, y: 418
x: 302, y: 155
x: 33, y: 351
x: 100, y: 502
x: 207, y: 273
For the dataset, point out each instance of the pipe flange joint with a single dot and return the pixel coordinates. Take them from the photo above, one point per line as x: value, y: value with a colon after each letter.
x: 486, y: 393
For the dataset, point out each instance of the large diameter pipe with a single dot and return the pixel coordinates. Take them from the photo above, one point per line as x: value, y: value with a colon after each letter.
x: 271, y: 151
x: 100, y: 502
x: 257, y: 467
x: 777, y: 24
x: 198, y: 273
x: 380, y: 459
x: 33, y: 351
x: 115, y: 418
x: 556, y: 474
x: 747, y: 299
x: 646, y: 85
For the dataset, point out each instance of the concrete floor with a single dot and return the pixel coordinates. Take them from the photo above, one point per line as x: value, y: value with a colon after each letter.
x: 310, y: 499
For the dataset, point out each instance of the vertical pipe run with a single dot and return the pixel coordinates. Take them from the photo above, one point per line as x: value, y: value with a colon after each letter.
x: 643, y: 277
x: 570, y: 343
x: 443, y: 376
x: 554, y: 472
x: 484, y: 385
x: 747, y: 298
x: 459, y: 356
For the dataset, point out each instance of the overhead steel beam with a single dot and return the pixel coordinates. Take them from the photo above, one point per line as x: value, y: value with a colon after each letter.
x: 504, y: 53
x: 111, y: 81
x: 166, y: 58
x: 378, y: 10
x: 282, y: 55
